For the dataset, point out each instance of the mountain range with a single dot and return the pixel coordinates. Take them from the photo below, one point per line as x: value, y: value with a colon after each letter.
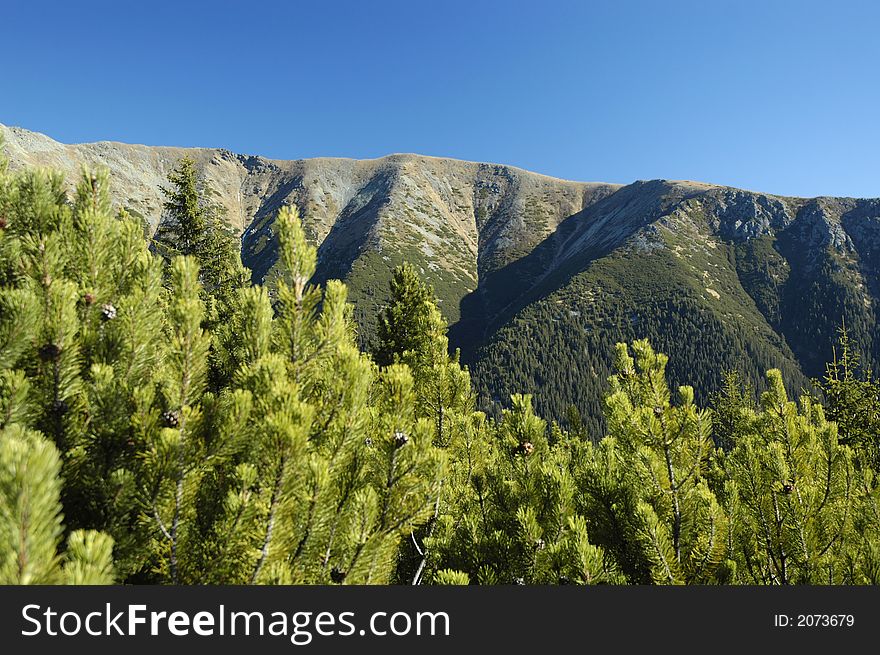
x: 539, y: 277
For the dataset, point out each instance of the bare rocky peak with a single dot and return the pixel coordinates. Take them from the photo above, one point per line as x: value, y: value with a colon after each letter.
x: 453, y: 212
x: 249, y: 185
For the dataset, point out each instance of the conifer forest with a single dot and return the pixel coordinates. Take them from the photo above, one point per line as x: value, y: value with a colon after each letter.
x: 165, y: 420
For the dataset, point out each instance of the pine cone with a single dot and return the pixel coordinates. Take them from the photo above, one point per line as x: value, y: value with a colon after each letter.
x: 49, y: 352
x: 89, y: 298
x: 3, y: 223
x: 171, y: 418
x: 108, y: 312
x: 400, y: 439
x: 337, y: 575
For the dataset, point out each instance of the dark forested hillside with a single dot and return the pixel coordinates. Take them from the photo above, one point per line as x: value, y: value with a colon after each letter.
x: 719, y: 279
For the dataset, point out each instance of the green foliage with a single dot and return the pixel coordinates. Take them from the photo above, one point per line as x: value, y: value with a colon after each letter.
x: 680, y: 529
x: 410, y: 322
x: 301, y: 463
x: 412, y: 332
x: 81, y: 340
x: 30, y: 519
x: 730, y: 409
x: 193, y: 433
x: 791, y: 494
x: 512, y: 516
x: 193, y: 225
x: 852, y: 398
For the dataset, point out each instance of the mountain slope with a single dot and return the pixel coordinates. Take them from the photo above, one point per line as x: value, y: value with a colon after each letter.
x: 456, y: 220
x: 718, y: 278
x: 539, y: 276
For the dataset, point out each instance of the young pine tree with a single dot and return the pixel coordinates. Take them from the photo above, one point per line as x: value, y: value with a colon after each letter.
x: 654, y: 460
x: 792, y: 495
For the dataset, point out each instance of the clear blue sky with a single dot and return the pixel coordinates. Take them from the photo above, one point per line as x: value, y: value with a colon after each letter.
x: 773, y: 96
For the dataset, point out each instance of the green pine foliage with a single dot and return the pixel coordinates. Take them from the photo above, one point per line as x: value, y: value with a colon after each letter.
x: 655, y: 456
x: 161, y: 421
x: 791, y: 493
x: 193, y: 225
x: 852, y: 397
x: 30, y: 519
x: 512, y: 515
x: 412, y: 331
x: 730, y: 409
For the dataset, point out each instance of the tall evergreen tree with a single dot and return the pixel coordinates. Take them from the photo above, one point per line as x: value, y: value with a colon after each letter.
x: 194, y: 225
x: 852, y: 398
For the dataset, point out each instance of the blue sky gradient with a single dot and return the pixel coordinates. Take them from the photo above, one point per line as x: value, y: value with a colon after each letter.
x: 776, y: 96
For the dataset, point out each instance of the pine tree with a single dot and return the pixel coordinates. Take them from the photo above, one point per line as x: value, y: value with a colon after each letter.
x: 852, y: 398
x: 730, y: 409
x: 412, y: 331
x: 79, y: 298
x: 193, y: 225
x: 337, y: 467
x: 31, y: 209
x: 176, y: 456
x: 409, y: 323
x: 792, y: 494
x: 662, y: 451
